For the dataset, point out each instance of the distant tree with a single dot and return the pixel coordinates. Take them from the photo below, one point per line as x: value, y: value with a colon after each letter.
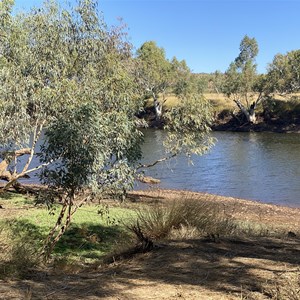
x: 158, y: 77
x: 240, y: 83
x: 218, y: 81
x: 181, y: 77
x: 188, y: 122
x: 283, y: 75
x: 154, y: 74
x: 184, y: 82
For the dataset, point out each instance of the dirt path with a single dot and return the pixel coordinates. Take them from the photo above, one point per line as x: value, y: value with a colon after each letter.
x: 232, y: 268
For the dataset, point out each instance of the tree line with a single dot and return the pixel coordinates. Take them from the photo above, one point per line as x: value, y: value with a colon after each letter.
x: 242, y: 84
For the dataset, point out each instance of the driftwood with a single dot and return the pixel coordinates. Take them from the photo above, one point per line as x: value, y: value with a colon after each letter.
x: 8, y: 155
x: 148, y: 179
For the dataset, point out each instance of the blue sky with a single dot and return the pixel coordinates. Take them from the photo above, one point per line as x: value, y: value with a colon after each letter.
x: 206, y: 33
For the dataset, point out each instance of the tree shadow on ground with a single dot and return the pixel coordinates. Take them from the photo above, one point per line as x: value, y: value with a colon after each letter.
x: 228, y: 265
x: 89, y: 240
x: 225, y: 267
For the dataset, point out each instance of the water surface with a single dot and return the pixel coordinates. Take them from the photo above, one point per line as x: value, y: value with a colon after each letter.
x: 257, y: 166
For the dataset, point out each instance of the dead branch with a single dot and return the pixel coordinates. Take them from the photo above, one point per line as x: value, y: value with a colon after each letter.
x: 156, y: 162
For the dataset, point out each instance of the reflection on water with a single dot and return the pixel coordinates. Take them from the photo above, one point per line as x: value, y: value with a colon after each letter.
x: 258, y: 166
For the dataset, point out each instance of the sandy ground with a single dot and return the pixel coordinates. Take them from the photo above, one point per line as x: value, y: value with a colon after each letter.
x: 231, y: 268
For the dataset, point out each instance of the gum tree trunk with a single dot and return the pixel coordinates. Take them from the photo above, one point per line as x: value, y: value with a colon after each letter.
x: 248, y: 112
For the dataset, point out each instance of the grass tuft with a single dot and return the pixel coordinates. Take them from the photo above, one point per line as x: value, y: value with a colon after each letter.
x: 182, y: 218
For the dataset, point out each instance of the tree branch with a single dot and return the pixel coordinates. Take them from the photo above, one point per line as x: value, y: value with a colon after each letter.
x: 36, y: 135
x: 156, y: 162
x: 13, y: 179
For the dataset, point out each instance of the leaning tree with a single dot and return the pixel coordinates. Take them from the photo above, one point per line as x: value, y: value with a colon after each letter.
x: 53, y: 60
x: 241, y: 83
x: 37, y: 83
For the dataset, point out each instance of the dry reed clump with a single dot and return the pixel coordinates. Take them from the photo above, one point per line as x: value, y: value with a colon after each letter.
x: 182, y: 218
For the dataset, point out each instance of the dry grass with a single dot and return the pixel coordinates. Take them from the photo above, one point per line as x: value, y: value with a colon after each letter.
x: 158, y: 221
x: 246, y: 262
x: 219, y: 101
x: 281, y: 105
x: 19, y: 252
x: 171, y: 101
x: 285, y: 286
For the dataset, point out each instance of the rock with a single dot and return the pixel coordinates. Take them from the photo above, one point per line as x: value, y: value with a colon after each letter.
x: 291, y: 234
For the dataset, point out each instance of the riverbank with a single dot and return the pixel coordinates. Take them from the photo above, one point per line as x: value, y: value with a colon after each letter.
x: 233, y: 125
x: 279, y: 216
x: 283, y: 121
x: 254, y: 266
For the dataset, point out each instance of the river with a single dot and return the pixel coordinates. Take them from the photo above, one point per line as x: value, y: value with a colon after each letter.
x: 256, y: 166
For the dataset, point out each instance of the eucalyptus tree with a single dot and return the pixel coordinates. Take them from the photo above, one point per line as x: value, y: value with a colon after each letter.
x: 182, y: 80
x: 33, y: 90
x: 53, y: 60
x: 95, y: 152
x: 188, y: 122
x: 283, y: 75
x: 217, y: 81
x: 154, y: 74
x: 66, y: 71
x: 241, y: 83
x: 157, y: 76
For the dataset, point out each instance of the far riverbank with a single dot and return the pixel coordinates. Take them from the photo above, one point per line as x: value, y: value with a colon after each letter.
x: 276, y: 126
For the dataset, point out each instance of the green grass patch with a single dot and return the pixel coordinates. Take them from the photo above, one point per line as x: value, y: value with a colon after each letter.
x: 9, y: 199
x: 94, y: 232
x: 98, y: 231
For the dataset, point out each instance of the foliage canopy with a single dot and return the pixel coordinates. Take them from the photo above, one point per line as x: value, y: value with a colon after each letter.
x: 63, y: 69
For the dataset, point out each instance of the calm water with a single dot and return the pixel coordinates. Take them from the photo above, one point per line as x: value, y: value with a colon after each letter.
x: 258, y: 166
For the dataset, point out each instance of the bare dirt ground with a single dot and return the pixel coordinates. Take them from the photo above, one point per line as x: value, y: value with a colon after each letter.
x: 231, y: 268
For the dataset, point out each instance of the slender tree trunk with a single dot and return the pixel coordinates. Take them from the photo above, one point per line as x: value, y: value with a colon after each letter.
x: 158, y: 109
x: 62, y: 223
x: 60, y: 227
